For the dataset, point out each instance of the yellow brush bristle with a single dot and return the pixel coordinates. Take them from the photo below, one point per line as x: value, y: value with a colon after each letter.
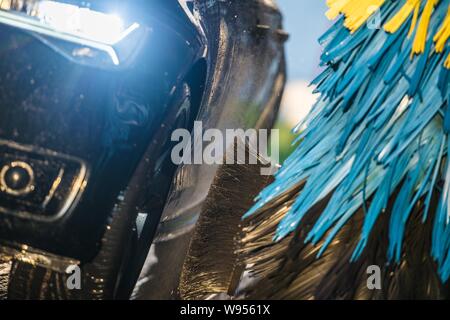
x: 335, y: 8
x: 422, y: 29
x: 357, y: 12
x: 402, y: 15
x: 443, y: 34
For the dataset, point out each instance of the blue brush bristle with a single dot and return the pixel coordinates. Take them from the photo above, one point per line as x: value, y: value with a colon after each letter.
x: 379, y: 130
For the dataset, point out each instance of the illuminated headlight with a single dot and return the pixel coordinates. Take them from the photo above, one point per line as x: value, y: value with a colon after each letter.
x: 83, y: 27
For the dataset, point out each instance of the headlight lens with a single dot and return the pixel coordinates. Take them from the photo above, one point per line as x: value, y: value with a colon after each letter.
x: 71, y: 23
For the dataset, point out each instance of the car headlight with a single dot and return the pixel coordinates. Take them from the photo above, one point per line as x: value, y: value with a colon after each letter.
x: 80, y: 32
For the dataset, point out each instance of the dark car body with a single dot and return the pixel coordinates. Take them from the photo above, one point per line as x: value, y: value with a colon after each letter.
x: 96, y: 138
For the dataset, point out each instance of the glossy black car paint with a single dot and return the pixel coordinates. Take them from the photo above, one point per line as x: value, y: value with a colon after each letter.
x: 230, y: 52
x: 107, y: 118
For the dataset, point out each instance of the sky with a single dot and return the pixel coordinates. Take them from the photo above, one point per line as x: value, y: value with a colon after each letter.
x: 305, y: 21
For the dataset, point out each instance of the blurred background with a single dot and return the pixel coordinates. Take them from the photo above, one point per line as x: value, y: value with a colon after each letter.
x: 305, y: 21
